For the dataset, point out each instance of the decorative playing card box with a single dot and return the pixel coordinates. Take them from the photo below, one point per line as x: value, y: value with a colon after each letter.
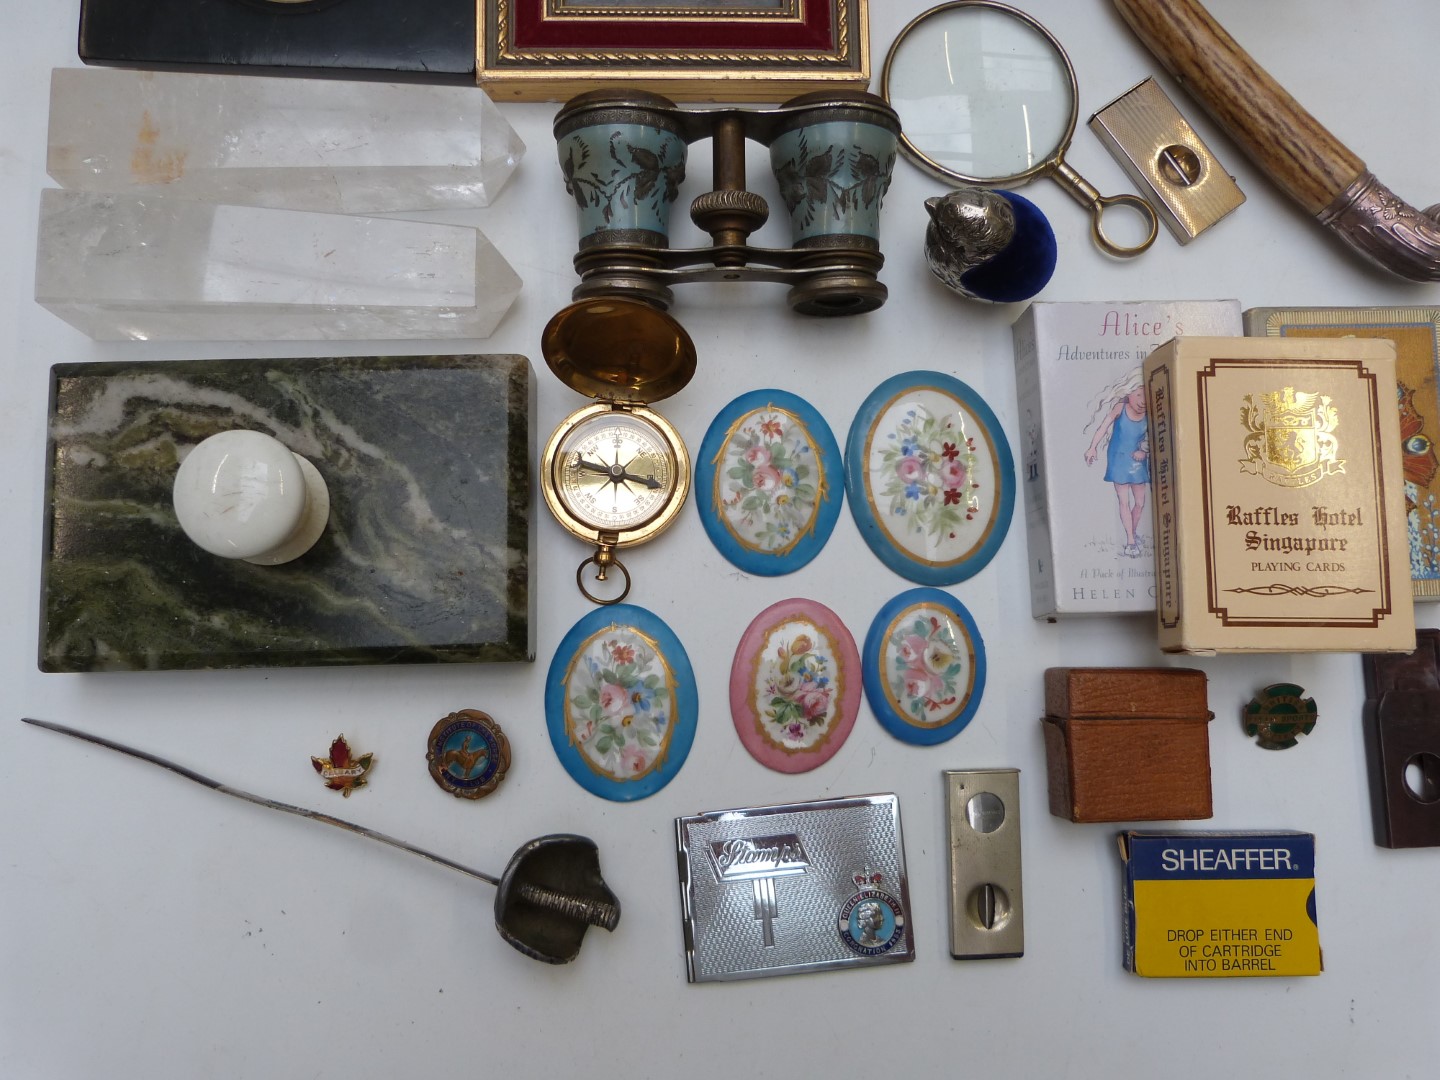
x: 1084, y: 460
x: 1279, y: 497
x: 1416, y: 334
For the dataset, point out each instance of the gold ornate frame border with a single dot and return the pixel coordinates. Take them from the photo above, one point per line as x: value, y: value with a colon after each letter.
x: 756, y: 73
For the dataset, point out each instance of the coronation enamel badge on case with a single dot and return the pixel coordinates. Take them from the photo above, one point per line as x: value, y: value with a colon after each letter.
x: 777, y: 890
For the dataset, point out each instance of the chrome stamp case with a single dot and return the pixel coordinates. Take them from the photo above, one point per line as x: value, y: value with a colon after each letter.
x: 778, y: 890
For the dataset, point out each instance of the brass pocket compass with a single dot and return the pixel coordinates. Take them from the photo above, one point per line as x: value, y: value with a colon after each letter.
x: 615, y: 473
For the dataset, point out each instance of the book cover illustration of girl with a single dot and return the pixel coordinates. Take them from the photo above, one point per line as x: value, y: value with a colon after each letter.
x: 1118, y: 427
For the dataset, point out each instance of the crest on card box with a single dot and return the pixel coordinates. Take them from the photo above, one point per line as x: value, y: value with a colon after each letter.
x: 1290, y: 441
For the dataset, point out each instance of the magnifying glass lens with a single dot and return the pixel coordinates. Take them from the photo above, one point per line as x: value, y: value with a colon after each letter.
x: 981, y: 92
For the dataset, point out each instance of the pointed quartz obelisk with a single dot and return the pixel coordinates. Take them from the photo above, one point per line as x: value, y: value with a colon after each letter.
x: 297, y: 144
x: 158, y: 268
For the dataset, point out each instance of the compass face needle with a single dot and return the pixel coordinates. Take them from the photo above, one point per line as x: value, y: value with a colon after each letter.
x: 626, y: 355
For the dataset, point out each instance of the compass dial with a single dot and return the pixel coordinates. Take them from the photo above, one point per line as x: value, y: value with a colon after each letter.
x: 615, y: 471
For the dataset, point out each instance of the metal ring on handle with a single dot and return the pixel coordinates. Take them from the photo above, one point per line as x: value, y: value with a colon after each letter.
x: 580, y: 579
x: 1088, y: 196
x: 1097, y: 231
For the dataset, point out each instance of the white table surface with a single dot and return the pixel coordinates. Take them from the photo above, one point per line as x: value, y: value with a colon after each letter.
x: 149, y: 928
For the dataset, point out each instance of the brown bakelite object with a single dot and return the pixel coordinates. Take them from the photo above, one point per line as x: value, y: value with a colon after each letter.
x: 1402, y: 729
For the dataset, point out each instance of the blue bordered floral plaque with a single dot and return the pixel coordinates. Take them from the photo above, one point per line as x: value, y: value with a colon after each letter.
x: 768, y: 482
x: 924, y: 667
x: 930, y: 477
x: 620, y: 703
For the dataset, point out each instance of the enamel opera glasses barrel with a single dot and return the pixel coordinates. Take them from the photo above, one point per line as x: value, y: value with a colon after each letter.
x: 623, y: 155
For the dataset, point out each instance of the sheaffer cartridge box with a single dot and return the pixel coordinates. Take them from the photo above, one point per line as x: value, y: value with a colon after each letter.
x: 1217, y: 905
x: 1279, y: 497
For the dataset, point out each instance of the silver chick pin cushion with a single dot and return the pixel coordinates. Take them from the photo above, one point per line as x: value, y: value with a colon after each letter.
x: 778, y: 890
x: 987, y: 245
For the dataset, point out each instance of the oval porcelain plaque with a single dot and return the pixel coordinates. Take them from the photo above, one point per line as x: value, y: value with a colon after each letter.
x: 620, y: 703
x: 924, y: 667
x: 930, y: 477
x: 795, y: 686
x: 767, y: 481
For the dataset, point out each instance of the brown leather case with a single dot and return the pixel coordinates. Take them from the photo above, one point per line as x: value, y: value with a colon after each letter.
x: 1127, y: 744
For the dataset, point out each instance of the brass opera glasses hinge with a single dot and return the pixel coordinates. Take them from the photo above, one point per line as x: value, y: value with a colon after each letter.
x: 623, y: 155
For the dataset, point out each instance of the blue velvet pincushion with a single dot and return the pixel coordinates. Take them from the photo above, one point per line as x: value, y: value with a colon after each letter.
x: 989, y: 245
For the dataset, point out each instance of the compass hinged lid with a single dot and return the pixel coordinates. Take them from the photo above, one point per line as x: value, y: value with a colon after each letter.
x: 618, y: 350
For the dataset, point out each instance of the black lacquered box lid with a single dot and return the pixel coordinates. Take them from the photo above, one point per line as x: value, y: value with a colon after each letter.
x: 421, y: 40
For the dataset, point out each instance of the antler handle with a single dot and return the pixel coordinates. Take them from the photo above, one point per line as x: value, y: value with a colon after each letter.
x: 1289, y: 145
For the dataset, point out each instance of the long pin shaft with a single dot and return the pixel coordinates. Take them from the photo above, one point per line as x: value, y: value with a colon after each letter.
x: 225, y: 789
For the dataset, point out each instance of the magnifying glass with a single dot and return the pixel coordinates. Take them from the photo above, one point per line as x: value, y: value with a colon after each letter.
x: 987, y: 96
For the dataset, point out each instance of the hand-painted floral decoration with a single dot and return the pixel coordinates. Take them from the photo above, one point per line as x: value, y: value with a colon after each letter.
x: 924, y: 666
x: 619, y: 704
x: 794, y: 686
x: 769, y: 481
x: 929, y: 667
x: 623, y: 176
x: 833, y: 177
x: 929, y: 474
x: 930, y: 477
x: 765, y: 476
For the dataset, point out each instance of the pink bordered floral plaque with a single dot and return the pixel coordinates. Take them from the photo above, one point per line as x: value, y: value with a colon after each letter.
x: 795, y: 686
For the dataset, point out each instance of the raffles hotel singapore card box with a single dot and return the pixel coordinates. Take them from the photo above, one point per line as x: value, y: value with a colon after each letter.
x: 1279, y: 501
x: 1084, y: 446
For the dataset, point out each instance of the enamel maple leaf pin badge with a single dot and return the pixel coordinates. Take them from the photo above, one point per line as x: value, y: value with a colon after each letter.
x: 343, y: 771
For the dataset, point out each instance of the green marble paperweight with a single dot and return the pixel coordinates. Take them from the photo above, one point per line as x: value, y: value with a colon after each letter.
x: 430, y: 541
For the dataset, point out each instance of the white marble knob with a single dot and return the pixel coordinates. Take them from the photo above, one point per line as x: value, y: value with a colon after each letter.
x: 244, y: 495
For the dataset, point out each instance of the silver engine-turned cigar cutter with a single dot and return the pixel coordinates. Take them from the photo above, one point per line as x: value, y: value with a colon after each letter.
x: 1160, y: 151
x: 987, y: 910
x: 777, y: 890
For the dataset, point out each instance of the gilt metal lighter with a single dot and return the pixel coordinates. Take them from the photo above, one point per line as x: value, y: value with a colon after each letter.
x: 777, y: 890
x: 1160, y: 151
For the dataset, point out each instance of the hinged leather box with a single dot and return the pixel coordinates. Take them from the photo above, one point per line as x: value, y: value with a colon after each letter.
x: 1127, y: 744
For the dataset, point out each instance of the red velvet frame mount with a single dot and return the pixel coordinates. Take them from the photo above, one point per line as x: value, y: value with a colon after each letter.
x: 551, y: 49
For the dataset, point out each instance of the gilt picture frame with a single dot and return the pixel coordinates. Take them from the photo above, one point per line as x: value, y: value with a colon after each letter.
x: 689, y: 50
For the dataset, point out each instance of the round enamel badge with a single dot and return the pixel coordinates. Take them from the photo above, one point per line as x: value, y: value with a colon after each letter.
x: 1279, y: 716
x: 872, y: 921
x: 468, y: 754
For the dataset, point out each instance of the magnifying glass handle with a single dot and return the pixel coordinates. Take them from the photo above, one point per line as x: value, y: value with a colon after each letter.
x: 1088, y: 196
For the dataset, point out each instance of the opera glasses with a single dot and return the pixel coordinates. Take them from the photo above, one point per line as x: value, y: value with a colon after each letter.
x: 623, y: 155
